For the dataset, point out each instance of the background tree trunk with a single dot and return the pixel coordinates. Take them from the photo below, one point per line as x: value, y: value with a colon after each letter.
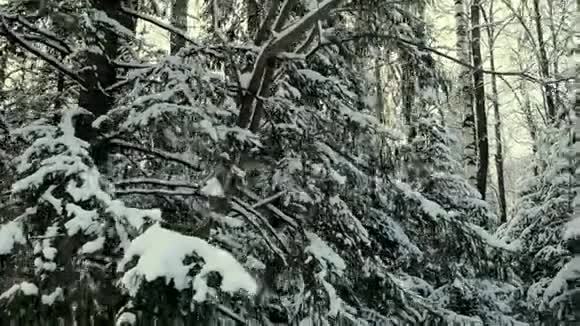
x: 179, y: 12
x: 464, y: 93
x: 499, y: 164
x: 544, y: 64
x: 480, y: 109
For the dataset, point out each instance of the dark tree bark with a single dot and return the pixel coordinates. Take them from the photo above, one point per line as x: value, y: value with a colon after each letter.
x: 95, y: 98
x: 179, y: 20
x: 480, y: 110
x: 544, y: 64
x: 253, y: 16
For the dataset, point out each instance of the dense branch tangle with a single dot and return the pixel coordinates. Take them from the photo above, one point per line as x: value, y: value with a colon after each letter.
x: 280, y: 40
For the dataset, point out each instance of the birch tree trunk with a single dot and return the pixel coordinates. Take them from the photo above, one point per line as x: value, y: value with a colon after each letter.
x: 464, y: 95
x: 179, y: 11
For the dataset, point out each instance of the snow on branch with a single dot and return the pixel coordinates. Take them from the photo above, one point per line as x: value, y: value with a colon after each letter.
x: 161, y: 253
x: 10, y: 235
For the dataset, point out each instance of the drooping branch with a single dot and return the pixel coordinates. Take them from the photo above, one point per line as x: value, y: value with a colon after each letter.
x: 18, y: 39
x: 49, y: 35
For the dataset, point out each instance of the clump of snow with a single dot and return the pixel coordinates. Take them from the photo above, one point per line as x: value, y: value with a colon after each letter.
x: 319, y: 249
x: 253, y: 263
x: 50, y: 299
x: 10, y: 234
x: 92, y: 246
x: 560, y: 282
x: 28, y: 289
x: 213, y: 188
x: 82, y: 219
x: 493, y: 241
x: 161, y: 254
x: 127, y: 318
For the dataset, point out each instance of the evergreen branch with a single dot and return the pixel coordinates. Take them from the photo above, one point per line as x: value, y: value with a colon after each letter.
x: 157, y: 153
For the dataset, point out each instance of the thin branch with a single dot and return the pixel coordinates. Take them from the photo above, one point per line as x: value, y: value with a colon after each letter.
x: 156, y: 182
x: 249, y: 217
x: 270, y: 207
x: 132, y: 65
x: 45, y: 33
x: 155, y: 152
x: 441, y: 54
x: 158, y: 23
x: 156, y: 192
x: 268, y: 200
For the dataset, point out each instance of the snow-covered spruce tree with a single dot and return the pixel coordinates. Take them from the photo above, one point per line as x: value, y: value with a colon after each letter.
x: 562, y: 296
x: 544, y: 207
x: 298, y: 196
x: 77, y: 233
x: 465, y: 267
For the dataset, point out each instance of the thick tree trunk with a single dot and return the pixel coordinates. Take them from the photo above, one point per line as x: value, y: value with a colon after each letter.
x: 94, y: 98
x: 544, y: 64
x: 464, y: 94
x: 499, y: 166
x: 480, y: 109
x: 178, y: 19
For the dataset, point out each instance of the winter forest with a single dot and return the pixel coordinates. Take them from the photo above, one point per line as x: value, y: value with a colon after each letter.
x: 289, y: 162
